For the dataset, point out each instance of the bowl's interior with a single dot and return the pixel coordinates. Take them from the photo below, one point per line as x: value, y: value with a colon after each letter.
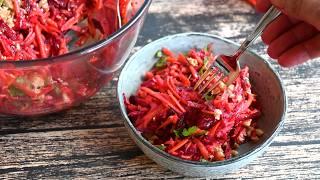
x: 265, y: 82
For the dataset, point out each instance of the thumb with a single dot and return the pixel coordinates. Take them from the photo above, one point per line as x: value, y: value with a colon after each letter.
x: 305, y: 10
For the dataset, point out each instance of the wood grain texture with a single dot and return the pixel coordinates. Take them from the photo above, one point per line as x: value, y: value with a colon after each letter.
x: 90, y: 141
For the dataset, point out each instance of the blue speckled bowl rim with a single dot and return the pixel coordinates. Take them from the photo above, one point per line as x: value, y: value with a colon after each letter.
x: 197, y: 163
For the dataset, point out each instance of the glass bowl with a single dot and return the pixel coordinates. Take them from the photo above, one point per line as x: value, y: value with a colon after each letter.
x: 49, y: 85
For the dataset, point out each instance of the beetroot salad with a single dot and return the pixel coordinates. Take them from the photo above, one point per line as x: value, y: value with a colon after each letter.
x: 174, y: 117
x: 36, y: 29
x: 32, y: 29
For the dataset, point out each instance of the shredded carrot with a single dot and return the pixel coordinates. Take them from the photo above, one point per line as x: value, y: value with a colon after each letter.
x: 171, y: 120
x: 148, y: 117
x: 172, y: 88
x: 178, y: 145
x: 176, y: 102
x: 182, y: 59
x: 161, y: 98
x: 44, y: 29
x: 167, y: 52
x: 193, y: 72
x: 202, y: 148
x: 184, y: 80
x: 190, y: 126
x: 208, y: 112
x: 41, y: 44
x: 213, y: 130
x: 16, y: 7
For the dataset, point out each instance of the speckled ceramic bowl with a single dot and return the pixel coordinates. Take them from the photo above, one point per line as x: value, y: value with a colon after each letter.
x: 265, y: 82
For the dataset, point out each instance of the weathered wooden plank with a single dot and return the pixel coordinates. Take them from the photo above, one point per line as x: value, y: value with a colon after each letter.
x: 103, y: 153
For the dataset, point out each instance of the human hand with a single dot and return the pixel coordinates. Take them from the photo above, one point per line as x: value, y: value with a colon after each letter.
x: 294, y: 37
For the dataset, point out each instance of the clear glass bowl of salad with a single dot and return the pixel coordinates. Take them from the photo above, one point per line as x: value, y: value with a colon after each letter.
x: 52, y: 58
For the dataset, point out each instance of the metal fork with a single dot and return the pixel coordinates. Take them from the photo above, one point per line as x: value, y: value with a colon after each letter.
x: 119, y: 14
x: 228, y: 66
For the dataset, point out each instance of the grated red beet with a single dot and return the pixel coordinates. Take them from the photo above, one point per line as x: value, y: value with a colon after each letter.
x: 208, y: 129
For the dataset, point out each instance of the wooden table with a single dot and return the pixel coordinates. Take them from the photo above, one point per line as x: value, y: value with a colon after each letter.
x: 91, y: 142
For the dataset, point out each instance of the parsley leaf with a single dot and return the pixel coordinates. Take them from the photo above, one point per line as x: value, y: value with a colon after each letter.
x: 159, y: 54
x: 161, y: 147
x: 204, y: 66
x: 206, y: 49
x: 208, y: 97
x: 177, y: 133
x: 161, y: 62
x: 189, y: 131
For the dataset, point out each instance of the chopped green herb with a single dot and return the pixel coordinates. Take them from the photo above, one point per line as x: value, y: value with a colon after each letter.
x: 177, y: 133
x: 159, y: 54
x: 205, y: 61
x: 204, y: 66
x: 189, y: 131
x: 1, y: 2
x: 14, y: 92
x: 208, y: 97
x: 161, y: 62
x: 161, y: 147
x: 206, y: 49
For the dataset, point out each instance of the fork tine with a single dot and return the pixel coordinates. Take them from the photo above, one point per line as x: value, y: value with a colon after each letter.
x: 212, y: 77
x: 215, y: 85
x: 203, y: 77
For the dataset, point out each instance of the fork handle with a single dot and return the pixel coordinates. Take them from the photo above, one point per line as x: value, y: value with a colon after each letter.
x: 119, y: 14
x: 270, y: 15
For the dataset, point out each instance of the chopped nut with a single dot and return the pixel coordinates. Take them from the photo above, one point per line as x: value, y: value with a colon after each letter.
x: 231, y: 95
x: 8, y: 3
x: 219, y: 155
x: 247, y: 123
x: 217, y: 114
x: 239, y: 98
x: 66, y: 98
x: 44, y: 4
x: 37, y: 83
x: 249, y: 130
x: 259, y: 132
x: 236, y: 145
x: 231, y: 87
x: 222, y: 85
x: 234, y: 153
x: 18, y: 46
x: 7, y: 15
x: 192, y: 61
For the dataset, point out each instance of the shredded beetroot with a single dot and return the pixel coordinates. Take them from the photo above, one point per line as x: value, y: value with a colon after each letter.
x: 39, y: 29
x: 174, y: 117
x: 33, y: 29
